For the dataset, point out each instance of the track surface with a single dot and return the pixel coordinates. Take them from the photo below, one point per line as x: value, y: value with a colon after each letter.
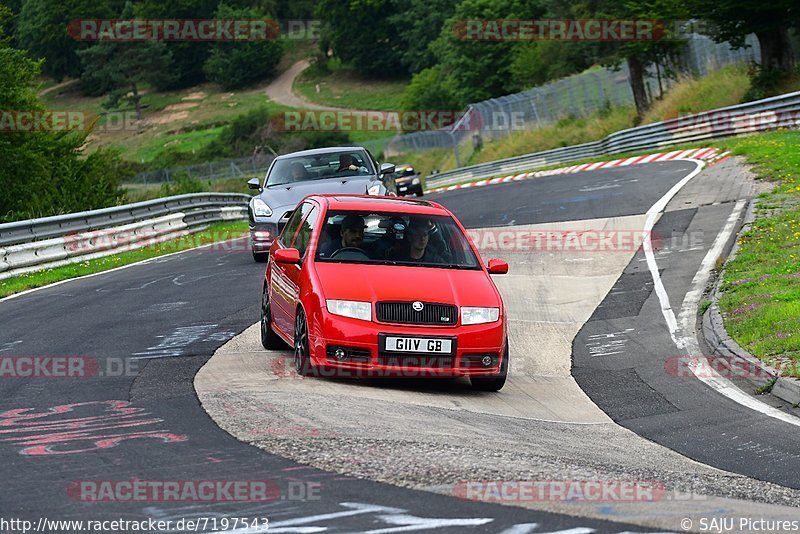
x: 169, y: 315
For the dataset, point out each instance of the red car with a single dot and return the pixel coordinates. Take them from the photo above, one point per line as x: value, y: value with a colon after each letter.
x: 376, y: 286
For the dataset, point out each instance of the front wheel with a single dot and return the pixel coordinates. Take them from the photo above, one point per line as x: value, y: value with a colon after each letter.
x: 492, y: 383
x: 260, y: 257
x: 269, y: 339
x: 302, y: 358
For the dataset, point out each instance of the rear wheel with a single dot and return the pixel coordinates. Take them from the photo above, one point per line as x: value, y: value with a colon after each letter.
x: 302, y: 358
x: 269, y: 339
x: 492, y: 383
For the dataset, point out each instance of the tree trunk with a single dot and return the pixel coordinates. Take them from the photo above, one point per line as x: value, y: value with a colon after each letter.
x: 137, y: 102
x: 776, y: 49
x: 636, y: 70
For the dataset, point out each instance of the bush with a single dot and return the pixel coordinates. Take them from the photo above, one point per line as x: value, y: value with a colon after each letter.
x: 182, y: 185
x: 768, y: 82
x: 430, y: 90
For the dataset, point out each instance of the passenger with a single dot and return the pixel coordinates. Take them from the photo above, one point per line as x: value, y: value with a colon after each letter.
x: 298, y: 172
x: 415, y: 247
x: 351, y: 236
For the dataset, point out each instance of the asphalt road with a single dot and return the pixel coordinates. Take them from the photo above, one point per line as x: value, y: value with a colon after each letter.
x: 163, y: 319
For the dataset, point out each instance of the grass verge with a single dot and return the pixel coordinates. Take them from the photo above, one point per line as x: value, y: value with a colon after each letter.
x: 343, y: 88
x: 214, y: 233
x: 760, y: 300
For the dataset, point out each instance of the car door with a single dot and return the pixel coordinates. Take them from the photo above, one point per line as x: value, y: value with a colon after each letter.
x: 279, y: 286
x: 287, y: 279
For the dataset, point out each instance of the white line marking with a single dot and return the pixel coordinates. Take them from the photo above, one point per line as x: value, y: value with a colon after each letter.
x: 685, y: 336
x: 652, y: 216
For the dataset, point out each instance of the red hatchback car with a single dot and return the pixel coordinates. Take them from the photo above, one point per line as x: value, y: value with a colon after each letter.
x: 376, y: 286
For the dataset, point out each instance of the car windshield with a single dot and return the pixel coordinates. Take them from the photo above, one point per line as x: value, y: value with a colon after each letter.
x: 394, y: 239
x: 287, y: 171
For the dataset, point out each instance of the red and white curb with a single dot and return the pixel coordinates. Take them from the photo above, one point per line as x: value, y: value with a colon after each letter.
x: 711, y: 155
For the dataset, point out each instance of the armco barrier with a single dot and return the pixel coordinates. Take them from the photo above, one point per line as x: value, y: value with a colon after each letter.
x: 61, y: 225
x: 762, y: 115
x: 76, y: 237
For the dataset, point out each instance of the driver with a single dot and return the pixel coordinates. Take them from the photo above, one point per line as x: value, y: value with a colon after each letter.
x: 352, y: 236
x: 346, y: 163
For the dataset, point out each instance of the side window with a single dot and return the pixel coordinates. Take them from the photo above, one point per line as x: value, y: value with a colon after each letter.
x: 292, y: 225
x: 303, y: 237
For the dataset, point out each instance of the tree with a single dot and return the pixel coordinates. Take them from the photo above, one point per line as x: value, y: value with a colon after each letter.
x: 235, y: 64
x: 126, y: 65
x: 42, y: 31
x: 44, y: 172
x: 360, y: 33
x: 188, y: 57
x: 733, y: 20
x: 637, y: 54
x: 481, y: 69
x: 418, y: 23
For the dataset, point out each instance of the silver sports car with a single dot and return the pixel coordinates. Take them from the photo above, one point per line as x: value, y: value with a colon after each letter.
x: 292, y: 177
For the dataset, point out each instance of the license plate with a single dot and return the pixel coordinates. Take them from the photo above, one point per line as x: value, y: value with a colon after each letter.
x: 419, y: 344
x: 403, y: 189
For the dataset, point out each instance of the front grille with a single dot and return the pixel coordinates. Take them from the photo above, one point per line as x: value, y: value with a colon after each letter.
x: 403, y: 313
x: 414, y: 360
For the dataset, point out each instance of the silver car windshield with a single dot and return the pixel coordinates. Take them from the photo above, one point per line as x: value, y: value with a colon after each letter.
x: 342, y: 164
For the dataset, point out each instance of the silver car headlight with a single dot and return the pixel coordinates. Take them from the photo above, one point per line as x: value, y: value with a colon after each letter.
x: 470, y: 315
x: 261, y: 209
x: 374, y: 189
x: 351, y: 308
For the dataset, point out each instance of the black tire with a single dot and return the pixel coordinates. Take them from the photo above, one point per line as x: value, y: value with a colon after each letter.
x: 269, y: 339
x: 419, y: 193
x: 492, y: 383
x: 302, y: 359
x: 260, y: 257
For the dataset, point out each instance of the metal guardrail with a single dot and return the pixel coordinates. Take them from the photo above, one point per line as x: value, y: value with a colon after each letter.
x: 52, y: 241
x: 761, y: 115
x: 61, y: 225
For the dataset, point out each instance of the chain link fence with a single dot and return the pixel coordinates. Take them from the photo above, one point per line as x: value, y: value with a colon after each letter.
x: 577, y: 95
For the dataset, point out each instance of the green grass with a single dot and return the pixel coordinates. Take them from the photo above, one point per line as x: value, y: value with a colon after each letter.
x: 214, y: 233
x: 343, y: 88
x: 142, y: 192
x: 760, y: 302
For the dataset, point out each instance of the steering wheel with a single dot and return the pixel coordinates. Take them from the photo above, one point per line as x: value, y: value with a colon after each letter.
x: 354, y: 253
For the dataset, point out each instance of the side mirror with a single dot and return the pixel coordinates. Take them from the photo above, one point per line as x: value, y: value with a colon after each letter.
x: 287, y: 255
x: 387, y: 168
x: 497, y: 266
x: 254, y: 183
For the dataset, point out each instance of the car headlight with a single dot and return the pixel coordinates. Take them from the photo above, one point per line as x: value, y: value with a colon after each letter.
x: 374, y: 189
x: 479, y: 315
x: 351, y: 308
x: 260, y: 208
x: 415, y: 181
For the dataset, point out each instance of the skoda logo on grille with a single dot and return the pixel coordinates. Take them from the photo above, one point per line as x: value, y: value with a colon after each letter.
x: 417, y: 306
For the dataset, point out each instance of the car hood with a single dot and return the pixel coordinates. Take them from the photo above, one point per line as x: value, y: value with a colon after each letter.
x: 292, y: 194
x: 371, y: 283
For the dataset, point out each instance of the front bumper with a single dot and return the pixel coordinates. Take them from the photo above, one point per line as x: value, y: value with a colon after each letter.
x: 262, y: 236
x: 408, y: 188
x: 363, y: 345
